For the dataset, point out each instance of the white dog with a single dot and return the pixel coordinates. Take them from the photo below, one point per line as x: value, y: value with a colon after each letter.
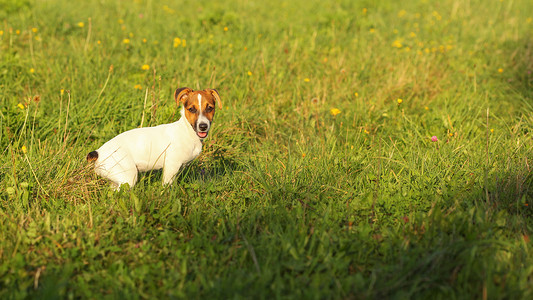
x: 167, y: 146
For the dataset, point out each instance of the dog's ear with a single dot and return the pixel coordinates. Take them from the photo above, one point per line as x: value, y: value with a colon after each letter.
x: 217, y: 97
x: 181, y: 95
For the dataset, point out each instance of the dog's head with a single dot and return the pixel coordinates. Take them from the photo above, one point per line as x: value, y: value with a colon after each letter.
x: 199, y: 107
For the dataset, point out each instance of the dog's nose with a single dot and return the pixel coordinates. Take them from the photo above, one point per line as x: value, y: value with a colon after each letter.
x: 202, y: 126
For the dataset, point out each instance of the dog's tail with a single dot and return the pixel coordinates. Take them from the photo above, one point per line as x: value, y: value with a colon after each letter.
x: 92, y: 156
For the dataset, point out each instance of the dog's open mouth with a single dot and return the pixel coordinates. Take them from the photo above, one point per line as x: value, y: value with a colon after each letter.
x: 202, y: 134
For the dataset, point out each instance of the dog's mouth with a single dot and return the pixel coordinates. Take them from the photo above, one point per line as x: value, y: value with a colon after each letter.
x: 201, y: 134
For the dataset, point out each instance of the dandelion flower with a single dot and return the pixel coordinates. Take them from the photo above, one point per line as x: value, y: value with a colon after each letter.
x: 1, y: 32
x: 17, y: 31
x: 356, y: 94
x: 307, y: 79
x: 500, y: 70
x: 249, y: 73
x: 144, y: 41
x: 492, y: 130
x: 24, y: 149
x: 225, y: 28
x: 138, y: 87
x: 81, y: 24
x: 434, y: 138
x: 62, y: 92
x: 145, y: 67
x: 126, y: 41
x: 98, y: 42
x: 399, y: 101
x: 366, y: 131
x: 20, y: 105
x: 34, y: 29
x: 32, y: 70
x: 334, y: 111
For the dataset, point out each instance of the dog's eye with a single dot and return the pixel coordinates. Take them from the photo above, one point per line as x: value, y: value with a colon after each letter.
x: 209, y: 109
x: 192, y: 110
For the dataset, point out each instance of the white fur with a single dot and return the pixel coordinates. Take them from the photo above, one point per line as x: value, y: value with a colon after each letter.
x: 201, y: 117
x: 167, y: 146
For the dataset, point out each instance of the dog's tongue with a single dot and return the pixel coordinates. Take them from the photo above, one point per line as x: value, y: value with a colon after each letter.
x: 202, y: 134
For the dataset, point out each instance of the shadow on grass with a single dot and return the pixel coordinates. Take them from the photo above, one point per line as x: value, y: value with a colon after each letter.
x: 206, y: 168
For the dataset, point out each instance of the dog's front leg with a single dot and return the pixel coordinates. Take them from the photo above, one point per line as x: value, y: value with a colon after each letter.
x: 169, y: 172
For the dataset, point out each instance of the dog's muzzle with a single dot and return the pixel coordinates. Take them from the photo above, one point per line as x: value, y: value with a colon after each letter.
x: 202, y: 130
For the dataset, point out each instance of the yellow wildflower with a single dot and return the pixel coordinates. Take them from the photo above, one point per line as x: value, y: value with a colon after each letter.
x: 177, y: 42
x: 144, y: 40
x: 307, y: 79
x: 145, y: 67
x: 17, y: 31
x: 500, y: 70
x: 62, y: 91
x: 225, y: 28
x: 32, y: 70
x: 126, y: 41
x: 334, y: 111
x: 400, y: 101
x: 372, y: 30
x: 397, y: 44
x: 492, y: 130
x: 24, y: 149
x: 81, y: 24
x: 401, y: 13
x: 138, y: 87
x: 1, y: 32
x: 356, y: 94
x: 120, y: 21
x: 34, y: 30
x: 249, y: 73
x: 20, y: 105
x: 98, y: 42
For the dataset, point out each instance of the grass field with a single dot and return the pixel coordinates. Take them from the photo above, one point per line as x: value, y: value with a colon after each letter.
x: 366, y: 149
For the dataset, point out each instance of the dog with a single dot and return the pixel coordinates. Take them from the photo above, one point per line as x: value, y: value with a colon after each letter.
x: 167, y: 146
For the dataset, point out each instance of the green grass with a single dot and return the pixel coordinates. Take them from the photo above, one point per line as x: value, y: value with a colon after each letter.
x: 286, y: 200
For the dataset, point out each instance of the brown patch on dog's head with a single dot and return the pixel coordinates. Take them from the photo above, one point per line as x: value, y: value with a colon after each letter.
x: 199, y: 107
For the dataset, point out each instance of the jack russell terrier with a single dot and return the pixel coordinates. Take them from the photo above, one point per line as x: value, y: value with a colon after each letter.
x: 167, y: 146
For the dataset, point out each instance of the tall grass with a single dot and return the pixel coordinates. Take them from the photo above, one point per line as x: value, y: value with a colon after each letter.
x: 320, y: 179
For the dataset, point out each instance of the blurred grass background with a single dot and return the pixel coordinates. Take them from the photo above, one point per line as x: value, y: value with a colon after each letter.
x: 320, y: 178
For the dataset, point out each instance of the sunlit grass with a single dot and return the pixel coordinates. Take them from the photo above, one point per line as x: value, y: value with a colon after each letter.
x: 365, y: 150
